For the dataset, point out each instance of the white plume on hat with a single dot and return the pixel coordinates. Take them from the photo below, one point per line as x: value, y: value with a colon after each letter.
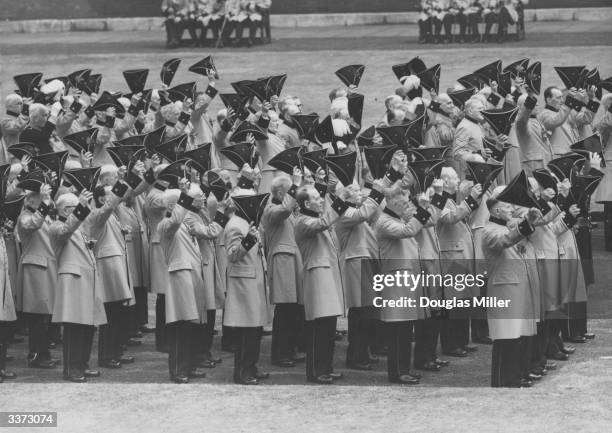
x: 411, y: 82
x: 52, y: 87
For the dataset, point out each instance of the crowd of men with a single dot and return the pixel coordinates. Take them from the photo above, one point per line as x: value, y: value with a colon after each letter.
x: 226, y: 20
x: 107, y: 196
x: 467, y: 15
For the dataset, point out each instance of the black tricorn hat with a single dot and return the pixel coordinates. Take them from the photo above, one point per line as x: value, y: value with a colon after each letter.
x: 33, y: 181
x: 501, y: 121
x: 351, y: 74
x: 343, y: 166
x: 378, y: 159
x: 240, y: 154
x: 83, y: 178
x: 355, y: 107
x: 27, y: 83
x: 425, y: 171
x: 490, y: 72
x: 429, y: 153
x: 250, y: 207
x: 460, y: 97
x: 305, y: 123
x: 234, y: 101
x: 585, y: 185
x: 393, y: 135
x: 518, y: 192
x: 154, y: 138
x: 315, y: 160
x: 593, y: 79
x: 122, y: 155
x: 168, y: 70
x: 11, y: 210
x: 240, y: 87
x: 106, y: 100
x: 53, y: 161
x: 245, y: 128
x: 504, y: 85
x: 19, y: 150
x: 570, y: 75
x: 533, y: 78
x: 471, y: 81
x: 497, y: 153
x: 413, y: 67
x: 324, y: 133
x: 216, y: 185
x: 175, y: 171
x: 415, y: 130
x: 131, y: 140
x: 606, y: 84
x: 257, y: 88
x: 545, y: 179
x: 82, y: 141
x: 518, y: 68
x: 204, y: 67
x: 182, y: 92
x: 92, y: 84
x: 174, y: 148
x: 136, y: 79
x: 366, y: 137
x: 483, y: 173
x: 563, y: 165
x: 286, y: 160
x: 199, y: 158
x: 275, y: 85
x: 430, y: 78
x: 78, y: 79
x: 591, y: 143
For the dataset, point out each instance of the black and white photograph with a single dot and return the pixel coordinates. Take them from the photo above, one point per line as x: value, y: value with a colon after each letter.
x: 305, y: 216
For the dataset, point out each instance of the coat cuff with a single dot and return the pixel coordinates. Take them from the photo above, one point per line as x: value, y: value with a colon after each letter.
x: 243, y: 115
x: 184, y: 118
x: 544, y: 206
x: 25, y: 110
x: 569, y: 220
x: 89, y: 111
x: 493, y: 99
x: 525, y: 228
x: 149, y: 177
x: 110, y: 122
x: 185, y: 201
x: 221, y: 219
x: 226, y: 125
x: 48, y: 129
x: 292, y: 191
x: 377, y: 196
x: 249, y: 242
x: 211, y: 92
x: 321, y: 188
x: 263, y: 122
x: 573, y: 103
x: 530, y: 102
x: 339, y: 206
x: 422, y: 215
x: 133, y: 110
x: 593, y: 106
x: 393, y: 175
x: 76, y: 107
x: 44, y: 209
x: 471, y: 202
x: 139, y: 126
x: 133, y: 180
x: 439, y: 201
x: 245, y: 183
x: 119, y: 189
x: 81, y: 212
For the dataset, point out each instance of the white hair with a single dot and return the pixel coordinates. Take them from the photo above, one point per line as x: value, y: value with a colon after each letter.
x: 13, y: 98
x: 447, y: 172
x: 108, y: 169
x: 38, y: 110
x: 171, y: 196
x: 65, y: 200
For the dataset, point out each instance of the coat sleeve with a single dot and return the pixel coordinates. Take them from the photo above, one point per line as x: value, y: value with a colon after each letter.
x: 234, y: 243
x: 64, y: 122
x: 60, y: 232
x: 201, y: 230
x: 30, y: 222
x: 551, y: 119
x: 169, y: 225
x: 125, y: 124
x: 454, y: 215
x: 14, y: 125
x: 277, y: 213
x: 502, y: 239
x: 391, y: 228
x: 354, y: 216
x: 582, y: 117
x: 462, y: 150
x: 98, y: 217
x: 309, y: 227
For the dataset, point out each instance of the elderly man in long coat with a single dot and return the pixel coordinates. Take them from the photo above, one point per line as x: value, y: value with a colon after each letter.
x: 8, y: 315
x: 78, y: 300
x: 513, y: 277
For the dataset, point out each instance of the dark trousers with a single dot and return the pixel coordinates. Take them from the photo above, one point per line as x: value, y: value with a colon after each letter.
x: 472, y: 21
x: 238, y: 28
x: 577, y: 322
x: 540, y: 344
x: 180, y: 336
x: 399, y: 343
x: 455, y: 334
x: 321, y: 333
x: 504, y: 21
x: 78, y: 340
x: 209, y: 333
x: 285, y: 331
x: 198, y: 338
x: 489, y: 19
x: 246, y: 352
x: 447, y: 22
x: 526, y: 351
x: 161, y: 339
x: 214, y: 26
x: 5, y: 335
x: 358, y: 333
x: 479, y: 328
x: 506, y: 363
x: 556, y: 329
x: 426, y: 334
x: 38, y: 336
x: 141, y: 309
x: 424, y: 29
x: 55, y: 332
x: 377, y: 337
x: 109, y: 339
x: 607, y: 222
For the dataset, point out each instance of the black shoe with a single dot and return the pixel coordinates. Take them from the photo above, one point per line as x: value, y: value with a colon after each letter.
x: 358, y: 366
x: 113, y: 363
x: 441, y: 362
x: 211, y: 358
x: 37, y: 363
x: 91, y: 373
x: 180, y: 379
x: 52, y: 345
x: 415, y: 375
x: 576, y: 339
x: 261, y: 375
x: 373, y: 359
x: 550, y: 365
x: 559, y: 356
x: 485, y: 340
x: 470, y: 348
x: 136, y: 334
x: 285, y: 363
x: 127, y: 359
x: 197, y: 374
x: 266, y: 333
x: 458, y: 352
x: 7, y: 374
x: 336, y: 376
x: 248, y: 381
x: 380, y: 351
x: 533, y: 376
x: 133, y: 342
x: 207, y: 363
x: 429, y: 366
x: 588, y: 335
x: 76, y: 378
x: 406, y: 379
x: 568, y: 350
x: 338, y: 336
x: 146, y: 329
x: 299, y: 357
x: 324, y: 379
x: 228, y: 349
x: 525, y: 383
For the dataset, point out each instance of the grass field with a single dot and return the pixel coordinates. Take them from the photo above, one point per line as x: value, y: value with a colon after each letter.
x: 577, y: 397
